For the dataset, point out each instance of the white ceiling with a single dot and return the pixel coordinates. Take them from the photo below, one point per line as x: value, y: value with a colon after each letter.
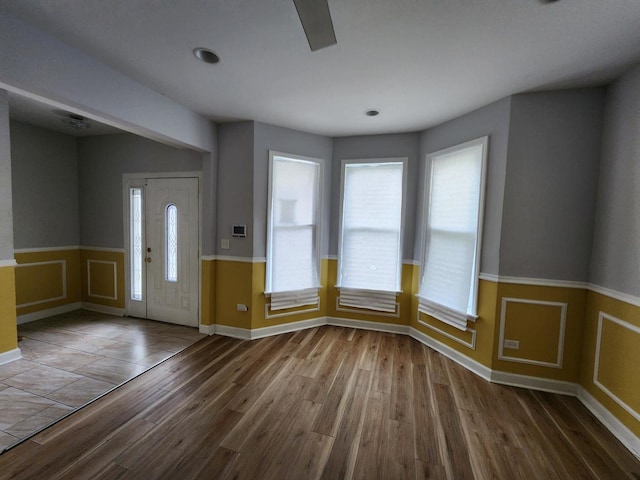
x: 420, y: 62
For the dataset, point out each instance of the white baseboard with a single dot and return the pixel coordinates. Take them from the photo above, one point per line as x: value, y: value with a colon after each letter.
x: 615, y: 426
x: 287, y: 327
x: 366, y: 325
x: 49, y: 312
x: 467, y: 362
x: 10, y: 356
x: 234, y: 332
x: 534, y: 383
x: 247, y: 334
x: 94, y: 307
x: 207, y: 329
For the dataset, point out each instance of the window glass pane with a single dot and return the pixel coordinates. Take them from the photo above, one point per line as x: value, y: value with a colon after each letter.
x: 136, y: 243
x: 370, y: 254
x: 172, y: 243
x: 292, y: 262
x: 451, y: 236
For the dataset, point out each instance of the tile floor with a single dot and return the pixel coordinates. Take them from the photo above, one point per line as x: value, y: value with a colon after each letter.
x: 70, y: 359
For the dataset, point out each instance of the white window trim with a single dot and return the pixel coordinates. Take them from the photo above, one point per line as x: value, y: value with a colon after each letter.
x: 443, y: 313
x: 403, y: 209
x: 302, y: 293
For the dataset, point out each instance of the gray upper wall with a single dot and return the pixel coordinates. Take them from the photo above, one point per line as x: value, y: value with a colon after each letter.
x: 235, y: 187
x: 45, y: 188
x: 101, y: 162
x: 615, y: 259
x: 492, y: 120
x: 285, y: 140
x: 551, y: 184
x: 377, y: 146
x: 6, y: 211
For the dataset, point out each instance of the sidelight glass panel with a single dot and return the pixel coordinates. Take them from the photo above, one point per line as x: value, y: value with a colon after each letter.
x: 136, y: 243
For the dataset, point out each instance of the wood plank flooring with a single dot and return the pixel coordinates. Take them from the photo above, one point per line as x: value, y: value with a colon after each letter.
x: 329, y: 402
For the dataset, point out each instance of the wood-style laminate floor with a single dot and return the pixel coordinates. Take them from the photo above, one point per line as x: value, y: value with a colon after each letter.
x: 330, y: 403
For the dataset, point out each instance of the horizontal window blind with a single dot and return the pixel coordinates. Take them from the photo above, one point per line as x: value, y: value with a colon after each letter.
x: 450, y: 260
x: 283, y: 300
x: 372, y: 300
x: 292, y: 242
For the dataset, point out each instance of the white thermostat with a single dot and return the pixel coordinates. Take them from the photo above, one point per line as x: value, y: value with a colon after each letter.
x: 239, y: 231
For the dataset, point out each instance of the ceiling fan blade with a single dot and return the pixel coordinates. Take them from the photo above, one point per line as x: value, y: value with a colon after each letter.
x: 316, y: 21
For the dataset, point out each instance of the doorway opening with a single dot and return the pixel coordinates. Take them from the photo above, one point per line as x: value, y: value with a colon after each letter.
x: 162, y: 232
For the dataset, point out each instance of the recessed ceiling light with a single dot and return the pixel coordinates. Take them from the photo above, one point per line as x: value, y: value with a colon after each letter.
x: 371, y: 113
x: 205, y: 55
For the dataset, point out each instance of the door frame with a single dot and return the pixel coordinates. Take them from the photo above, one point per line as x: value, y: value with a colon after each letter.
x: 135, y: 180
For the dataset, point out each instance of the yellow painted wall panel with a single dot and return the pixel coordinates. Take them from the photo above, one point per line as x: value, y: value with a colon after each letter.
x: 618, y: 360
x: 479, y: 349
x: 40, y: 283
x: 8, y: 324
x: 233, y: 286
x: 619, y: 354
x: 404, y: 300
x: 541, y: 341
x: 267, y: 318
x: 538, y: 328
x: 207, y: 294
x: 102, y: 279
x: 100, y: 283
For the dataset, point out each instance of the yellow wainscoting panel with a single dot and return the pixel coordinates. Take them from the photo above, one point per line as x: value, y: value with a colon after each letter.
x: 8, y: 324
x: 40, y: 282
x: 263, y: 316
x: 539, y: 328
x: 103, y: 277
x: 47, y: 279
x: 548, y: 321
x: 617, y: 353
x: 477, y: 341
x: 233, y: 286
x: 610, y: 363
x: 208, y: 292
x: 402, y: 314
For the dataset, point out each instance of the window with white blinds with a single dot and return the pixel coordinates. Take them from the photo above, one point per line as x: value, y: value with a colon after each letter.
x: 293, y: 261
x: 370, y: 252
x: 455, y: 193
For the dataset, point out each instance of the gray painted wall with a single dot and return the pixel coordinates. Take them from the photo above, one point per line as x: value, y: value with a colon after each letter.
x: 615, y: 260
x: 45, y: 187
x: 101, y: 162
x: 550, y: 193
x: 235, y: 187
x: 6, y: 212
x: 492, y: 120
x: 377, y: 146
x: 209, y: 197
x: 285, y: 140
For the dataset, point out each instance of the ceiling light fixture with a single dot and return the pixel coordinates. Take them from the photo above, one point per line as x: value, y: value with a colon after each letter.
x: 76, y: 121
x: 205, y: 55
x: 371, y: 113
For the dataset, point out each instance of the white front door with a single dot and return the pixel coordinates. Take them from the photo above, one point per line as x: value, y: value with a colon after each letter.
x: 163, y: 251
